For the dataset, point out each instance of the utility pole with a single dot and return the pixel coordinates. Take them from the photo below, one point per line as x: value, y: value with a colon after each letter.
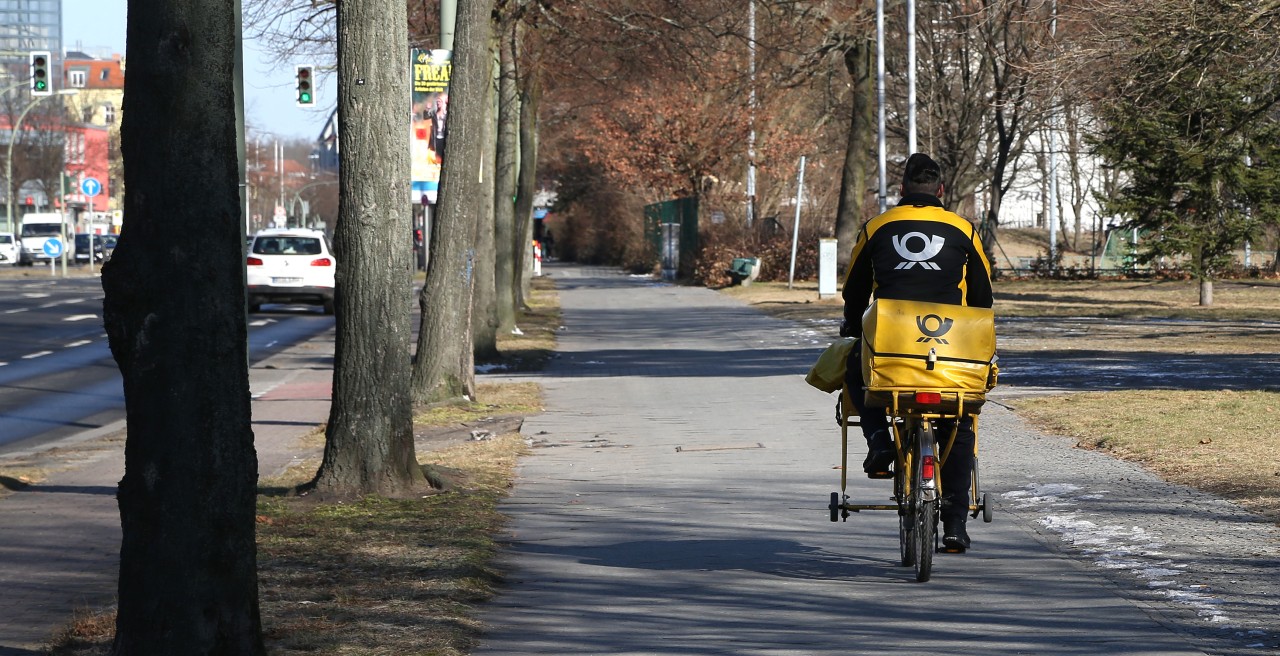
x: 1053, y: 162
x: 751, y: 117
x: 448, y: 19
x: 884, y: 196
x: 911, y: 77
x: 280, y: 168
x: 237, y: 84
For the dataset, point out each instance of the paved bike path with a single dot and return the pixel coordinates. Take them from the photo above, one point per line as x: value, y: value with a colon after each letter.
x: 675, y: 503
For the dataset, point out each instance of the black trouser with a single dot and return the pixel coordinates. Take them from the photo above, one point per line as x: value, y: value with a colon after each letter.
x: 956, y: 471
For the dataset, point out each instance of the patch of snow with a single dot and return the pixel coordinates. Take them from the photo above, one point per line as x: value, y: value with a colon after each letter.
x: 1113, y: 546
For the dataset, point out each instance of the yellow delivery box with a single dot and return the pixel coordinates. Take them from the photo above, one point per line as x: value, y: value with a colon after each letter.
x: 911, y: 346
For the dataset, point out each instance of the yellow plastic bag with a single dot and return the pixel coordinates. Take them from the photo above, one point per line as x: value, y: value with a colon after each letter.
x: 827, y: 373
x: 911, y: 345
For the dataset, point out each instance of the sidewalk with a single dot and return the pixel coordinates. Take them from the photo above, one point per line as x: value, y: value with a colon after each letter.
x: 60, y: 540
x: 675, y: 502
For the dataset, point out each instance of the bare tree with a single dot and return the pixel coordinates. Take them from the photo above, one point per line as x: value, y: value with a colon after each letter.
x: 444, y: 369
x: 175, y: 320
x: 39, y: 144
x: 369, y: 442
x: 504, y: 186
x: 978, y: 91
x: 526, y: 185
x: 484, y: 319
x: 853, y: 179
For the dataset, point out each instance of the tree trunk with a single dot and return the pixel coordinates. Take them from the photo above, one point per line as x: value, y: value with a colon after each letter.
x: 526, y: 185
x: 369, y: 441
x: 504, y: 218
x: 1206, y: 292
x: 445, y: 367
x: 175, y: 320
x: 484, y: 324
x: 853, y: 180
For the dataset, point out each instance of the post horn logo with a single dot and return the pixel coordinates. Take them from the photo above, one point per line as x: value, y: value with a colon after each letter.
x: 933, y: 327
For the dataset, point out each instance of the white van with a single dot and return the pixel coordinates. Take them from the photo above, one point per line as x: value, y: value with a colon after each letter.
x: 37, y: 228
x: 8, y: 248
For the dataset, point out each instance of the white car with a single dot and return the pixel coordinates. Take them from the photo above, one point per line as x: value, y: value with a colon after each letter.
x: 291, y: 265
x: 8, y: 248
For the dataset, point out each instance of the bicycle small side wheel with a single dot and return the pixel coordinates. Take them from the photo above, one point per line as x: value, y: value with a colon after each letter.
x: 906, y: 516
x: 986, y: 508
x: 835, y: 506
x: 907, y: 551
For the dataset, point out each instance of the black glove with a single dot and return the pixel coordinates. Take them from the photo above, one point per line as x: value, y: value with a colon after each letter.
x: 846, y: 330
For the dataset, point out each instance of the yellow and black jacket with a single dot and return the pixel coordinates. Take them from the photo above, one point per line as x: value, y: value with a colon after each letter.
x: 916, y: 251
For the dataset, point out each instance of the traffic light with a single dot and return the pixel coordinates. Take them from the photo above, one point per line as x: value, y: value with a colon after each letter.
x: 306, y: 86
x: 41, y: 82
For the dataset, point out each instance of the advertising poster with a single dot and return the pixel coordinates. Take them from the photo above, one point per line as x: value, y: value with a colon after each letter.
x: 431, y: 70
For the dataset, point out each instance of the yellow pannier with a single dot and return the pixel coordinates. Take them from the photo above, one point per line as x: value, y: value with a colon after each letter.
x: 910, y: 346
x: 827, y: 374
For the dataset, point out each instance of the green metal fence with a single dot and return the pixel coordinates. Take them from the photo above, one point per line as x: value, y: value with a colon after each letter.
x: 671, y: 228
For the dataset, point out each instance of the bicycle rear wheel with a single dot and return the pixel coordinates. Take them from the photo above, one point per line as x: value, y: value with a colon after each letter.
x: 923, y: 536
x: 924, y: 502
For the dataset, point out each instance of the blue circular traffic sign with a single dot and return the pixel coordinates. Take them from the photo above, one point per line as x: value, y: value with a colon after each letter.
x: 53, y: 247
x: 90, y: 187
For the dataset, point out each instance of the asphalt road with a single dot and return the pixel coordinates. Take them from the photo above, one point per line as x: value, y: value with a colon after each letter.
x: 57, y: 376
x: 675, y: 503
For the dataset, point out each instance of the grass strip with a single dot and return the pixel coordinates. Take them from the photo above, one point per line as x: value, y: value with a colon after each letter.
x: 1221, y: 442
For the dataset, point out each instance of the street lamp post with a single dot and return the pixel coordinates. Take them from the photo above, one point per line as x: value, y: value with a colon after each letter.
x: 8, y: 162
x: 297, y: 195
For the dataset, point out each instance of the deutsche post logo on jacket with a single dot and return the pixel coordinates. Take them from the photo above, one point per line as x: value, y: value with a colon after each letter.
x: 921, y: 253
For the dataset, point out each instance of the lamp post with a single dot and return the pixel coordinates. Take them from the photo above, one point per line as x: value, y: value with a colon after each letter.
x: 297, y: 195
x: 8, y: 162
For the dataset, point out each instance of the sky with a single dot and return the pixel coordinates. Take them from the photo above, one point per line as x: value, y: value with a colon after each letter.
x: 269, y: 97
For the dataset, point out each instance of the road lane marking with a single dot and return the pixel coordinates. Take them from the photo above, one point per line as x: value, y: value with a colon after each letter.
x: 80, y: 317
x: 69, y: 301
x: 16, y: 310
x: 79, y: 343
x: 32, y: 356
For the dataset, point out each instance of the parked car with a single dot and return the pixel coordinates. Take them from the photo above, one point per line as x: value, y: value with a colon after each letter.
x: 291, y: 265
x: 8, y: 248
x: 103, y: 245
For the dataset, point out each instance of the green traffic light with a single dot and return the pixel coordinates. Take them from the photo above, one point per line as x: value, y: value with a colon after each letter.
x: 305, y: 97
x: 40, y: 86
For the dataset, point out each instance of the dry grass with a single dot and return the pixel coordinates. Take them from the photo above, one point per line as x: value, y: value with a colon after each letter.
x: 384, y: 576
x: 1234, y: 300
x: 492, y: 399
x: 1221, y: 442
x: 389, y: 576
x: 538, y: 323
x: 89, y: 634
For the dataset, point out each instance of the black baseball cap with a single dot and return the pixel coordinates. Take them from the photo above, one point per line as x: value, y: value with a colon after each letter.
x: 921, y: 169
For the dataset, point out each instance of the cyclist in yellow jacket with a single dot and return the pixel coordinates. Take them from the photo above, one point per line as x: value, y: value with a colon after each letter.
x: 917, y: 251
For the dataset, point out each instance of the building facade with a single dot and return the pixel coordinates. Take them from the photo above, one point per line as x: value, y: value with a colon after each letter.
x: 99, y: 86
x: 27, y: 25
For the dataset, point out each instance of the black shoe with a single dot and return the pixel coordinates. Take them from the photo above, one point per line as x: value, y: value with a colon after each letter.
x: 880, y: 455
x: 955, y: 539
